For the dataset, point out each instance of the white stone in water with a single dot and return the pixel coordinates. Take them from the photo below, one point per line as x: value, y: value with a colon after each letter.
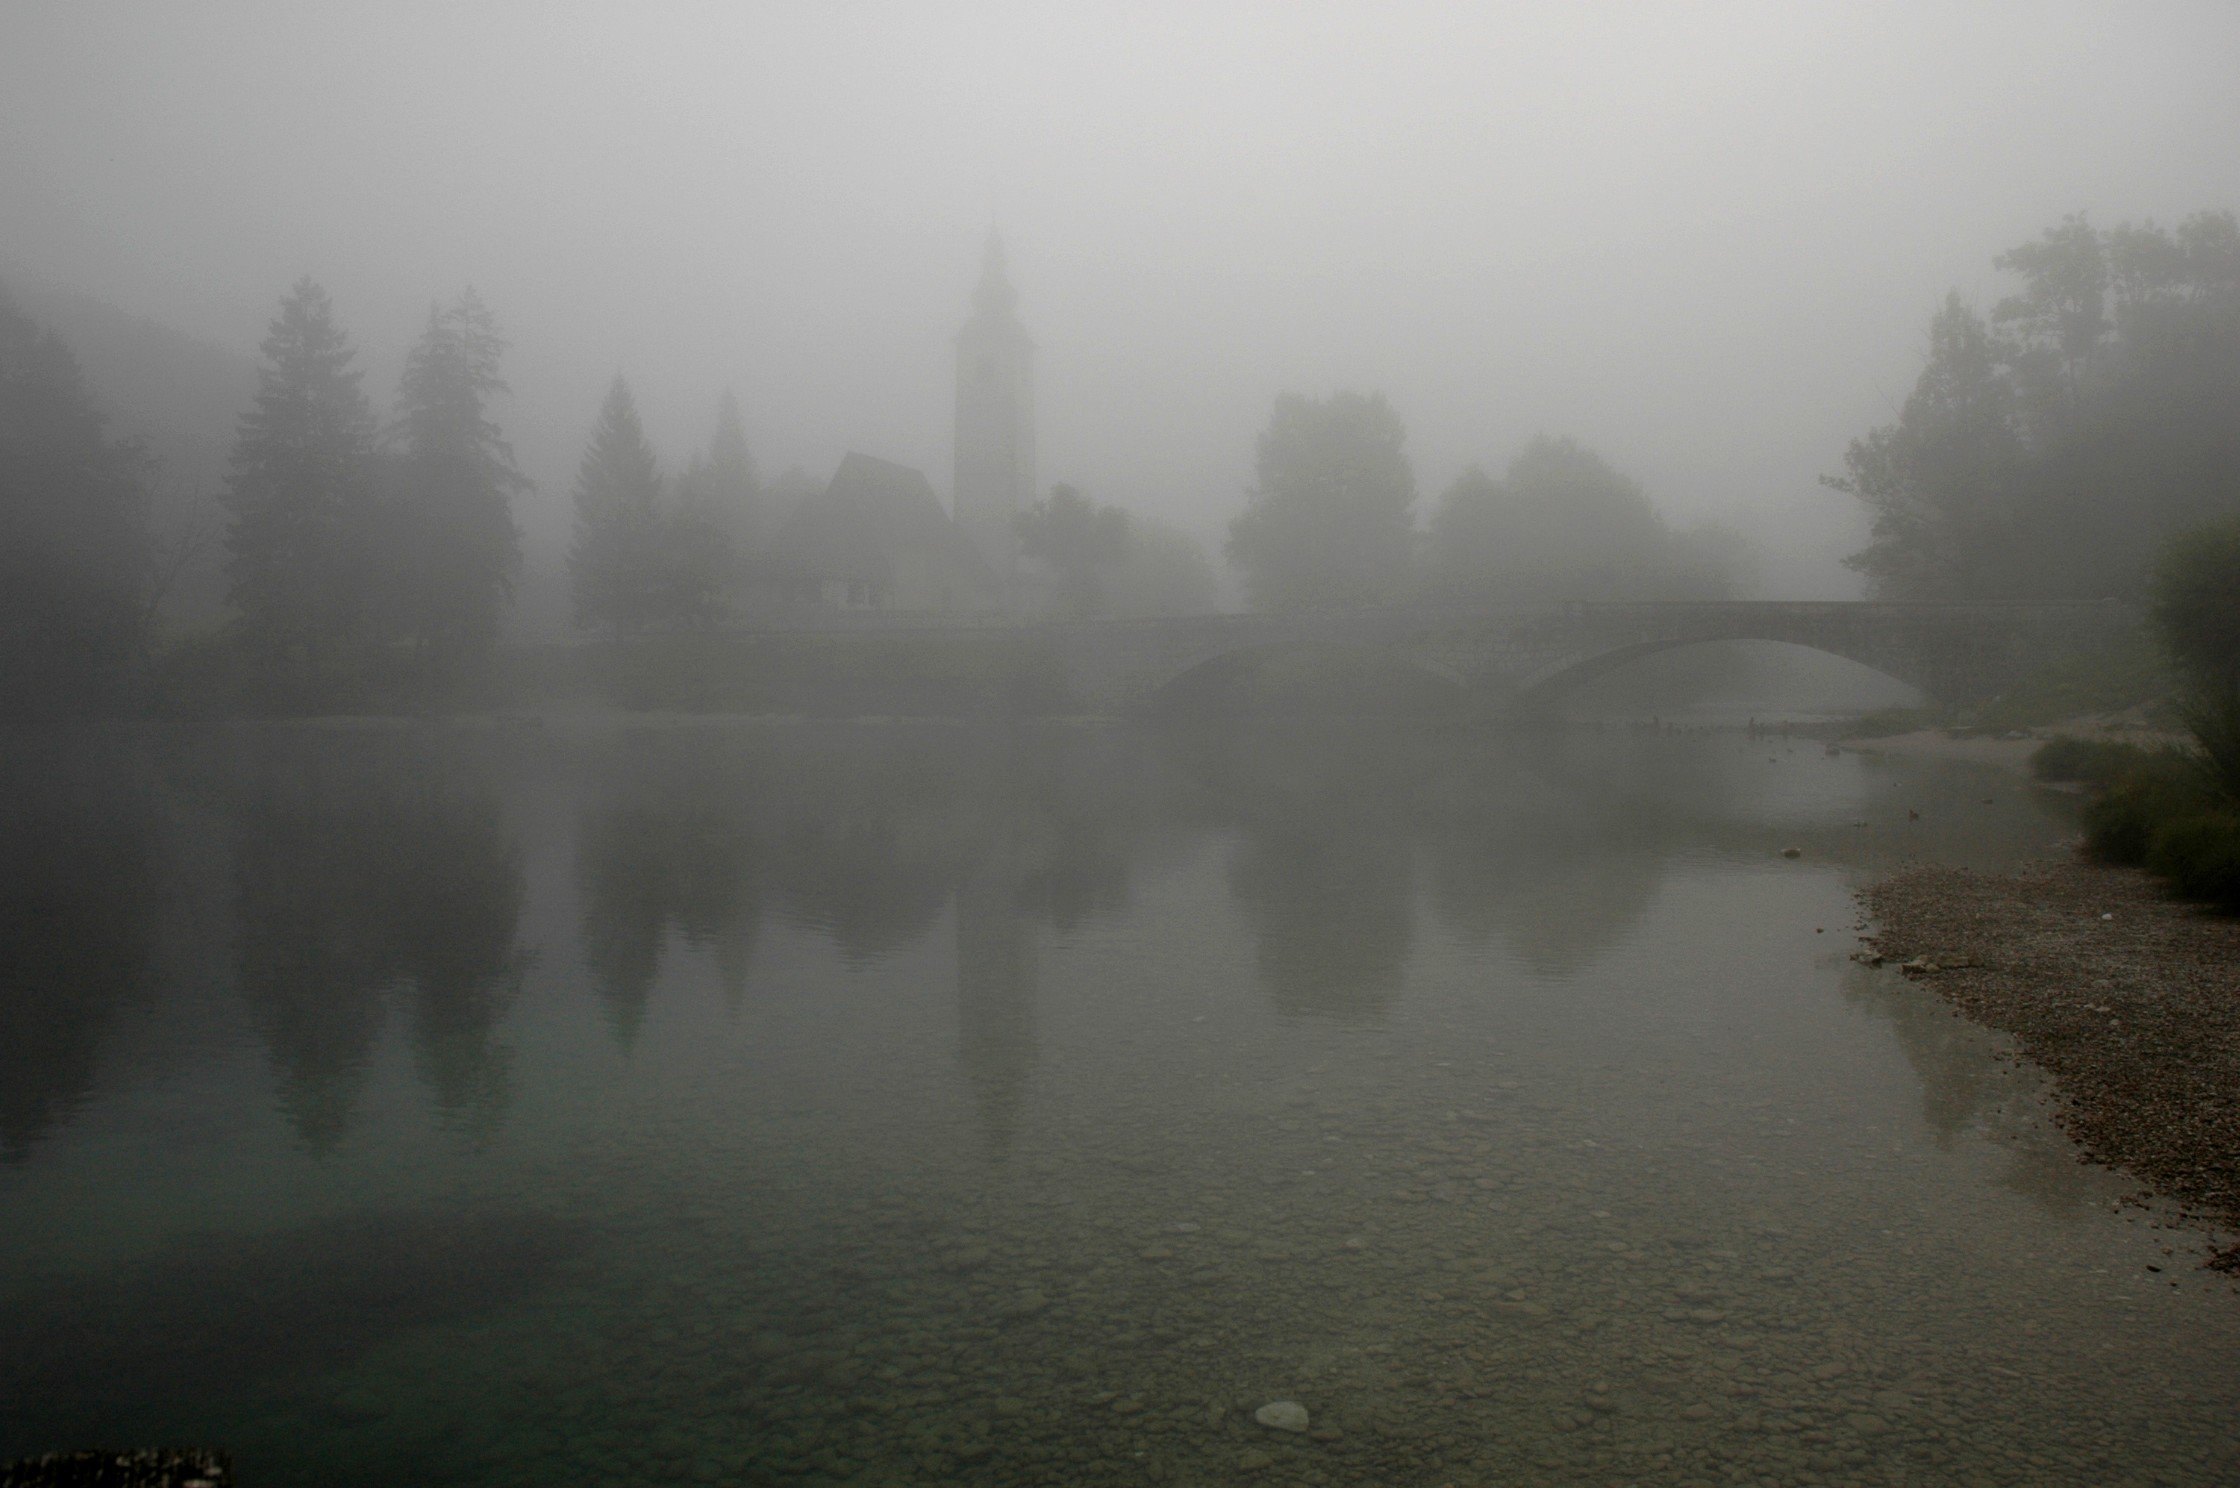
x: 1283, y: 1415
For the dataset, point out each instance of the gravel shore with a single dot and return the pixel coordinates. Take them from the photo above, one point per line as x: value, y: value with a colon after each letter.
x: 2131, y: 1001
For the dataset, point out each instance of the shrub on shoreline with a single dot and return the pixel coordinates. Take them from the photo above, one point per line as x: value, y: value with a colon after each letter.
x: 2065, y: 758
x: 2199, y: 856
x: 2177, y: 812
x: 2159, y: 809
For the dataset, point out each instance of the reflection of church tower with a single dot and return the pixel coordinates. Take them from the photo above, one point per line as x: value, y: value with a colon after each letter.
x: 995, y: 995
x: 995, y: 419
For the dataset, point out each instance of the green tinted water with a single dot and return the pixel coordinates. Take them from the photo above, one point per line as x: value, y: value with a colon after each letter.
x: 804, y: 1105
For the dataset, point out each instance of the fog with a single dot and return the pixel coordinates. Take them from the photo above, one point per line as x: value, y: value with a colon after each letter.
x: 1119, y: 743
x: 1702, y: 239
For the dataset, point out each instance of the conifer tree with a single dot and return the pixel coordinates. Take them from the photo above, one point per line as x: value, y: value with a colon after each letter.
x: 300, y: 489
x: 616, y: 562
x: 728, y: 479
x: 455, y: 538
x: 718, y: 525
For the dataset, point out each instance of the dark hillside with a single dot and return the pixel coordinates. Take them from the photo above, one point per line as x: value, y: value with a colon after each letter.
x: 176, y: 393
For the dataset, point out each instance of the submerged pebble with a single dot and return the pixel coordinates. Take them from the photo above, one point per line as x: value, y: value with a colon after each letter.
x: 1283, y: 1415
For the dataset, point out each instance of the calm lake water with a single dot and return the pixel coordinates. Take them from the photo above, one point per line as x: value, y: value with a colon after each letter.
x: 808, y: 1104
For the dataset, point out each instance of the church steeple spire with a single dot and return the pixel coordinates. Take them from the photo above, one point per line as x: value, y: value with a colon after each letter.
x: 995, y: 297
x: 995, y: 418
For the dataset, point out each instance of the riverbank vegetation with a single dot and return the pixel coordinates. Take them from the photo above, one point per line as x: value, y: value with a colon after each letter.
x: 2176, y: 811
x: 2049, y: 447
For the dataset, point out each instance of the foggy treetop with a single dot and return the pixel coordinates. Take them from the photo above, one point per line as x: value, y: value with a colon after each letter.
x: 1703, y: 239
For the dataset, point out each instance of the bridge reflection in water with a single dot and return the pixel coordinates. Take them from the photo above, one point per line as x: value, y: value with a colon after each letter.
x: 1519, y: 656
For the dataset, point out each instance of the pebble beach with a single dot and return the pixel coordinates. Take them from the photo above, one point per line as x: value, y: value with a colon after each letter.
x: 2128, y: 999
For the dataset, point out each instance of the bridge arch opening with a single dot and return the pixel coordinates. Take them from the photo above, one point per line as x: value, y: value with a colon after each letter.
x: 1739, y: 675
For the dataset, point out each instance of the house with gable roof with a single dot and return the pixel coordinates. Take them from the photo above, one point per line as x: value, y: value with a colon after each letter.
x: 877, y: 538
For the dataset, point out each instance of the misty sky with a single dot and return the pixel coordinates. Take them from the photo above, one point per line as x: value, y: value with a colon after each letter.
x: 1703, y: 238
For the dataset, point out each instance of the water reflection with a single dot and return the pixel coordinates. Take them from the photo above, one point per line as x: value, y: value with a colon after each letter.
x: 1553, y: 852
x: 361, y: 869
x: 1332, y: 912
x: 1089, y: 812
x: 366, y: 868
x: 996, y: 987
x: 308, y: 958
x: 1970, y: 1089
x: 79, y: 886
x: 452, y: 926
x: 871, y: 832
x: 1679, y: 1217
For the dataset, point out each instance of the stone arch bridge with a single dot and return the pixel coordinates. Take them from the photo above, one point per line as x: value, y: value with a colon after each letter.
x: 1519, y: 657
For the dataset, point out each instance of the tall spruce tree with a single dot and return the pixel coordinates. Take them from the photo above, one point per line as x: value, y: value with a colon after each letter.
x: 74, y: 546
x: 617, y: 563
x: 301, y: 488
x: 718, y: 534
x: 454, y: 536
x: 725, y: 479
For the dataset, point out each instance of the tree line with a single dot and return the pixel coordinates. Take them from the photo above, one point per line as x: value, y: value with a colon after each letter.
x: 349, y: 537
x: 649, y: 551
x: 2050, y: 447
x: 353, y: 544
x: 2046, y: 450
x: 1331, y: 521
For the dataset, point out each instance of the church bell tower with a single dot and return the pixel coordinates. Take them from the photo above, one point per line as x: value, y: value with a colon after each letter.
x: 995, y: 421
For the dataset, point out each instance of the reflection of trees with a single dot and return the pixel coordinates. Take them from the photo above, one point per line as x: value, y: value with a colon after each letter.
x: 621, y: 864
x: 78, y: 895
x: 1089, y: 809
x: 1968, y: 1090
x: 1524, y: 839
x: 866, y: 836
x: 1324, y: 871
x: 872, y: 831
x: 1333, y: 909
x: 1555, y: 843
x: 1576, y: 904
x: 353, y: 872
x: 668, y: 840
x: 995, y: 992
x: 456, y: 899
x: 306, y: 954
x: 1558, y: 880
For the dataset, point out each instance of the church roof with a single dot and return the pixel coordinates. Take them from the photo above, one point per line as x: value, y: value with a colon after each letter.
x: 873, y: 510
